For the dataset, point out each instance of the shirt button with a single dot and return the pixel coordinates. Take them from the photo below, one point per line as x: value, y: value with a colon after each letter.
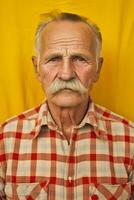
x: 70, y: 179
x: 94, y: 197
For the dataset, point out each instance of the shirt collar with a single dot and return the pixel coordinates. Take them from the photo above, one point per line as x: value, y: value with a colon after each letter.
x: 91, y: 118
x: 44, y: 119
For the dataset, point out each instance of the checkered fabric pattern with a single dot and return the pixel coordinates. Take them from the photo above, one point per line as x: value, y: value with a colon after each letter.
x: 37, y: 163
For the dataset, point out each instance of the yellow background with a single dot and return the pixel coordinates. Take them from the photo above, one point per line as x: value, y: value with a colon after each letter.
x: 19, y: 89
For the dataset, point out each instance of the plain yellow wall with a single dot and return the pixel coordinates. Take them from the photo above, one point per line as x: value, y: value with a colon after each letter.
x: 19, y: 89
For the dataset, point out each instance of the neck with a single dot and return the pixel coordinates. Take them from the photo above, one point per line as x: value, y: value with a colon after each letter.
x: 68, y: 117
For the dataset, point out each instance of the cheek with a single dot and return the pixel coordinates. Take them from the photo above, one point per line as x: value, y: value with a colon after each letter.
x: 47, y: 75
x: 86, y: 76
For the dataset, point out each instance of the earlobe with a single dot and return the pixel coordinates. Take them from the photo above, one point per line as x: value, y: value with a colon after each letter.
x: 34, y: 61
x: 35, y: 64
x: 100, y: 62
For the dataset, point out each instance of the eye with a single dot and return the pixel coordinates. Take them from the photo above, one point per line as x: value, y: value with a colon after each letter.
x: 54, y: 59
x: 78, y: 59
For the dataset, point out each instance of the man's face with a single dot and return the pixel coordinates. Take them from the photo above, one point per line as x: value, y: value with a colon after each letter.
x: 67, y: 63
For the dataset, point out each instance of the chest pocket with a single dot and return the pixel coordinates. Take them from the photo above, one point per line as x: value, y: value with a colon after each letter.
x: 25, y: 191
x: 110, y: 192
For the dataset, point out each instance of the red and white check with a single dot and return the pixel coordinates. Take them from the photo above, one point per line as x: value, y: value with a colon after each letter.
x: 37, y: 163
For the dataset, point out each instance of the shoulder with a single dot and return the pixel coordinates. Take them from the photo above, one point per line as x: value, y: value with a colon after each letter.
x: 113, y: 121
x: 108, y: 115
x: 20, y: 121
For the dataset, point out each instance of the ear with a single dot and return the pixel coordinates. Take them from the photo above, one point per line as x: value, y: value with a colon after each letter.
x: 36, y: 68
x: 100, y: 62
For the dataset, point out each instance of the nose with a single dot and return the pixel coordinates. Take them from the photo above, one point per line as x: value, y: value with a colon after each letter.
x: 66, y: 71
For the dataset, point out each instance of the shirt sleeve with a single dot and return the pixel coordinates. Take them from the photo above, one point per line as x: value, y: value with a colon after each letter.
x: 132, y: 180
x: 2, y: 167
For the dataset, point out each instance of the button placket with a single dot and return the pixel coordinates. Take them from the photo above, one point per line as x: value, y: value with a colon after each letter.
x: 71, y: 162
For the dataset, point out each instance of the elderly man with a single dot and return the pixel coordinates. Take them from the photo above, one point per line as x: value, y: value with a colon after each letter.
x: 68, y: 148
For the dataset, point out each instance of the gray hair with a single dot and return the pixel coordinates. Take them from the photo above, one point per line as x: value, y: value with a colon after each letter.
x: 59, y: 84
x: 56, y: 16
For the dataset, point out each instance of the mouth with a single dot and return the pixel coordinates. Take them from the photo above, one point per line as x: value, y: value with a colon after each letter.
x: 64, y: 90
x: 67, y: 89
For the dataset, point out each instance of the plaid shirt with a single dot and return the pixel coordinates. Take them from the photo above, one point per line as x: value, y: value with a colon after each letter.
x: 37, y: 163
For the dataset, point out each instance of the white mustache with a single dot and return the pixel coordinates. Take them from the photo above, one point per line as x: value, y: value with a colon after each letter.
x: 60, y: 84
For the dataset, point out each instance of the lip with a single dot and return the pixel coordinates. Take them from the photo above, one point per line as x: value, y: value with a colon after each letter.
x: 67, y: 89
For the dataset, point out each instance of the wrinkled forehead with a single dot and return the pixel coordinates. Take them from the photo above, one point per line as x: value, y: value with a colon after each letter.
x: 62, y: 34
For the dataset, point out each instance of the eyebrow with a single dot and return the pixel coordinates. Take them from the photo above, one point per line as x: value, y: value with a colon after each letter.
x: 87, y: 57
x: 53, y: 55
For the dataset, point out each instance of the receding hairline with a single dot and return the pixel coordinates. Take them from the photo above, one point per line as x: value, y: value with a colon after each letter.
x: 52, y: 17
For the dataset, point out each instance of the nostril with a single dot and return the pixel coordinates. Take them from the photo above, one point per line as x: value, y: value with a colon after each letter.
x: 66, y: 77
